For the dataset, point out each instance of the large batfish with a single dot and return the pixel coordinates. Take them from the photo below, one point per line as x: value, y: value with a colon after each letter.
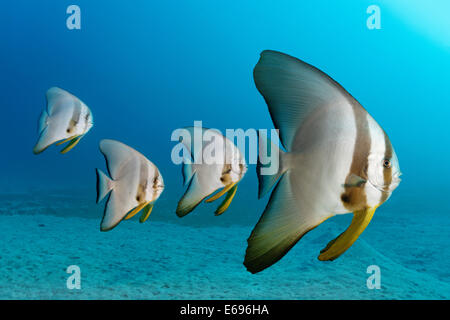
x: 337, y: 160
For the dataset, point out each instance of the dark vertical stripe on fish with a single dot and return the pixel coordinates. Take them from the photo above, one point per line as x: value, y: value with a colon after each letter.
x: 155, y: 183
x: 87, y: 120
x: 76, y: 113
x: 226, y: 177
x: 143, y: 181
x: 354, y: 197
x: 387, y: 172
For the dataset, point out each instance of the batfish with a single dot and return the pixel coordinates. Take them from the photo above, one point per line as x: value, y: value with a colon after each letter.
x: 336, y: 160
x: 135, y: 184
x: 209, y: 175
x: 65, y: 119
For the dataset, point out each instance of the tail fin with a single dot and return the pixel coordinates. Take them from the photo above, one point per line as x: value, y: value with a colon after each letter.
x: 268, y: 167
x: 104, y: 185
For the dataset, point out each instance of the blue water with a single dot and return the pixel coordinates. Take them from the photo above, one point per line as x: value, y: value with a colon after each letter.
x: 146, y: 68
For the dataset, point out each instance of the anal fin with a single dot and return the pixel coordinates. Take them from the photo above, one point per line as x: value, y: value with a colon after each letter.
x: 284, y: 222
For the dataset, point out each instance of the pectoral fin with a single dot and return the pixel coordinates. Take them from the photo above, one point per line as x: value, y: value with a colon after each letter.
x: 71, y: 144
x: 133, y: 212
x: 146, y: 213
x: 63, y: 141
x: 227, y: 201
x: 354, y: 181
x: 221, y: 192
x: 339, y: 245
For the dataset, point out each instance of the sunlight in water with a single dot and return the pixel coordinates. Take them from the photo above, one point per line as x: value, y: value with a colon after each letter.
x: 431, y: 18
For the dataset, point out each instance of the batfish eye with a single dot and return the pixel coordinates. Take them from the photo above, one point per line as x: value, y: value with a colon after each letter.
x: 386, y: 163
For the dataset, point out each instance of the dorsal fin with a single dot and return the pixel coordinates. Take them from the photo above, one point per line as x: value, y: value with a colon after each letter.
x: 56, y: 97
x: 194, y: 147
x: 116, y: 154
x: 292, y: 89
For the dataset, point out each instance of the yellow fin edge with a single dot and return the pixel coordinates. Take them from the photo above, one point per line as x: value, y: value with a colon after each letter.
x: 71, y: 144
x: 147, y: 210
x: 345, y: 240
x: 64, y: 141
x: 220, y: 193
x: 133, y: 212
x: 227, y: 201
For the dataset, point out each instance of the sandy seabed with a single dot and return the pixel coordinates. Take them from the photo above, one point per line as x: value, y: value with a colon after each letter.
x: 159, y: 260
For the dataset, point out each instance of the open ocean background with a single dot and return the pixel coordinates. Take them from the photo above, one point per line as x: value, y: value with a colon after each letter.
x: 146, y: 68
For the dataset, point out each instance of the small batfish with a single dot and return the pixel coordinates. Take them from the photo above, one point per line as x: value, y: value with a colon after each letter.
x: 222, y: 167
x: 66, y: 119
x: 135, y: 184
